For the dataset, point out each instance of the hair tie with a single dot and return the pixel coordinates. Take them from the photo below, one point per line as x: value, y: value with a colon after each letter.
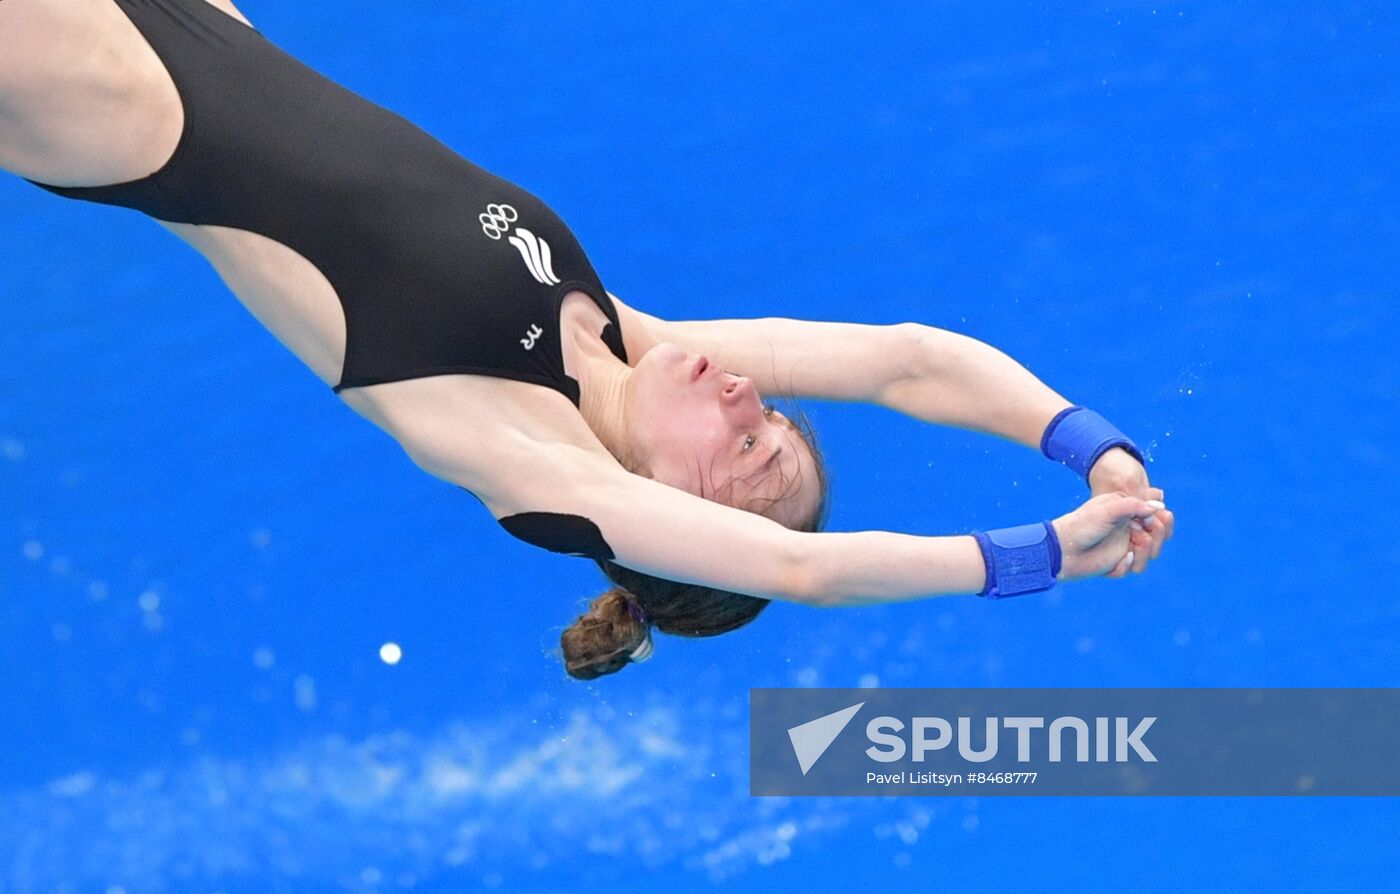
x: 643, y: 650
x: 635, y: 609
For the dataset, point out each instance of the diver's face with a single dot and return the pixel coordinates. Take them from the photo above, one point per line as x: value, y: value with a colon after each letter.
x: 696, y: 427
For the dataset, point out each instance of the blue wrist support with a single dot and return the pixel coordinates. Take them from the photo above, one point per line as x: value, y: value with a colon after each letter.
x: 1078, y: 437
x: 1024, y: 559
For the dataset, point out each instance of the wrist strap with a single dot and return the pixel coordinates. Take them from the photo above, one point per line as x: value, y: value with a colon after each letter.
x: 1023, y: 559
x: 1078, y: 437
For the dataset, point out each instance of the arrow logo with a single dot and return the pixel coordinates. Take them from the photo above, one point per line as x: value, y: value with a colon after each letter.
x: 810, y: 740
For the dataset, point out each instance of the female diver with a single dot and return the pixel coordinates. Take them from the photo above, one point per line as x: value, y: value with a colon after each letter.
x: 437, y: 299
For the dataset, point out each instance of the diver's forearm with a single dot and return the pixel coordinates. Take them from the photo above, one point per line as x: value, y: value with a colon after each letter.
x: 874, y: 567
x: 958, y: 380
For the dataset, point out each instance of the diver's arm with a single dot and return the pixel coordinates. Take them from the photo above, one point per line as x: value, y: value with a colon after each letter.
x: 921, y: 371
x: 664, y: 531
x: 787, y: 357
x: 957, y: 380
x: 669, y: 533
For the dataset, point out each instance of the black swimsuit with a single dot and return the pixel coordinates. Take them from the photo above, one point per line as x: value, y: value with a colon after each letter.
x: 441, y: 267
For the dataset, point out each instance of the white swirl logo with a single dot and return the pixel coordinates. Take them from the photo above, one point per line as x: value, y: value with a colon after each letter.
x: 535, y: 252
x: 497, y: 219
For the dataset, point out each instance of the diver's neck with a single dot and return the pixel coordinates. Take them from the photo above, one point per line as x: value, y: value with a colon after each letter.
x: 603, y: 390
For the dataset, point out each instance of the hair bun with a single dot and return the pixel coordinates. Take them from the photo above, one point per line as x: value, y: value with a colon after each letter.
x: 606, y: 638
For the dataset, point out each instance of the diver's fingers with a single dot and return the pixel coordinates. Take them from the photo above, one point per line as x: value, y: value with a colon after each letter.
x: 1141, y: 543
x: 1141, y: 557
x: 1167, y: 519
x: 1161, y: 531
x: 1123, y: 565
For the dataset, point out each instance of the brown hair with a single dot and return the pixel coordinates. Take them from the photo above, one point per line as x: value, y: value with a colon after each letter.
x: 617, y: 622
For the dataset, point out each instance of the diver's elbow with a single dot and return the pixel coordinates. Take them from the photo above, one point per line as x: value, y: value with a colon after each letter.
x: 807, y: 581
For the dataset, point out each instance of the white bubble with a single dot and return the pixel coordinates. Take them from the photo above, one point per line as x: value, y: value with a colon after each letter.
x: 149, y: 601
x: 11, y: 449
x: 1084, y: 645
x: 971, y: 822
x: 62, y: 633
x: 868, y: 681
x: 390, y: 653
x: 33, y: 550
x: 370, y: 876
x: 261, y: 538
x: 264, y: 657
x: 1182, y: 637
x: 152, y: 621
x: 808, y: 676
x: 97, y: 590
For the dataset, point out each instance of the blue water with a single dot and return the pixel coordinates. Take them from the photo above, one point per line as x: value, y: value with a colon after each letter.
x: 1182, y: 215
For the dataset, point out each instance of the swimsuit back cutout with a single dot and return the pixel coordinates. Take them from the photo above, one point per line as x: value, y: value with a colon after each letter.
x: 441, y: 267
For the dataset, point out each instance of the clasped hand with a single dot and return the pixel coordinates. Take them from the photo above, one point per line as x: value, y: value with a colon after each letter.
x: 1121, y: 528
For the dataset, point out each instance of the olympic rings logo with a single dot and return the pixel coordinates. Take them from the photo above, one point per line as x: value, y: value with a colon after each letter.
x: 497, y: 219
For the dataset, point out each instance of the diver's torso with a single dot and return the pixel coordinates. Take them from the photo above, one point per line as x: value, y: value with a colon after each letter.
x: 356, y: 237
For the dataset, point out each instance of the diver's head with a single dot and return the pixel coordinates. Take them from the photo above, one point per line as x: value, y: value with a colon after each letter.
x: 707, y: 432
